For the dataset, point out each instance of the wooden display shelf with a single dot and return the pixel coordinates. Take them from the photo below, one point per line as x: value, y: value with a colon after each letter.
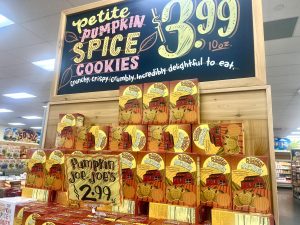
x: 26, y: 144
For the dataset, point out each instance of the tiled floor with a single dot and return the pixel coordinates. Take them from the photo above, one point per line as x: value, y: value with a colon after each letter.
x: 289, y: 208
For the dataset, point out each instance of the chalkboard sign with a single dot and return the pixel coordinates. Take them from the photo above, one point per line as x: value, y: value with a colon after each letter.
x: 156, y: 40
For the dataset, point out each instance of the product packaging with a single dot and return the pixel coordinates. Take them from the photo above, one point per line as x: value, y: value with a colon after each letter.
x: 151, y: 177
x: 172, y: 138
x: 184, y: 102
x: 218, y: 139
x: 132, y: 138
x: 36, y: 169
x: 251, y: 184
x: 54, y: 171
x: 138, y: 220
x: 131, y: 104
x: 156, y: 103
x: 169, y: 222
x: 128, y: 160
x: 182, y: 177
x: 100, y: 136
x: 216, y: 182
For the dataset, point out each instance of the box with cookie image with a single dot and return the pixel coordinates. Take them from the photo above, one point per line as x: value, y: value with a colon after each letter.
x: 99, y: 136
x: 156, y: 103
x: 184, y: 102
x: 215, y: 181
x: 131, y: 104
x: 35, y: 168
x: 172, y: 138
x: 129, y: 167
x: 151, y: 177
x: 218, y: 139
x: 54, y: 171
x: 182, y: 179
x: 131, y: 138
x: 251, y: 184
x: 66, y: 137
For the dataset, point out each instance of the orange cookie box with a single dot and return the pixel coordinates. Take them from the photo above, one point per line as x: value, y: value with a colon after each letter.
x: 251, y: 184
x: 218, y: 139
x: 215, y: 181
x: 184, y: 102
x: 171, y: 138
x: 182, y: 179
x: 129, y: 174
x: 156, y: 103
x: 131, y: 138
x: 151, y: 177
x: 131, y: 104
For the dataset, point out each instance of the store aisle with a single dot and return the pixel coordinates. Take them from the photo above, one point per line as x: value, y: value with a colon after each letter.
x: 289, y: 208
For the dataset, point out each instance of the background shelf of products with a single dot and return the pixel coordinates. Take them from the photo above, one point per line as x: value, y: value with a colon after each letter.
x: 296, y: 174
x: 283, y: 168
x: 12, y: 167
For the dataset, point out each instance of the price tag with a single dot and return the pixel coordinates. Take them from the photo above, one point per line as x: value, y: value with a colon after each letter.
x: 94, y: 178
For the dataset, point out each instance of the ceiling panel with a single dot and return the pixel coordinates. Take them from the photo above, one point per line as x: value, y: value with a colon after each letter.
x: 21, y: 11
x: 282, y: 71
x: 280, y: 9
x: 46, y: 27
x: 283, y: 59
x: 15, y: 36
x: 8, y: 60
x: 280, y: 46
x: 80, y: 2
x: 35, y: 52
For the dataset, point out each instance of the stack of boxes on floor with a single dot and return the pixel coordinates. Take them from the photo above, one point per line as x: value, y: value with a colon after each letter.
x: 170, y: 162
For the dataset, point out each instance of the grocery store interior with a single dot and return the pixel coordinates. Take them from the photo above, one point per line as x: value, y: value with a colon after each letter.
x: 30, y: 35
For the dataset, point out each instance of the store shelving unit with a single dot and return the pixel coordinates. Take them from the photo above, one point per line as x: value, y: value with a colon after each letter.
x: 283, y: 168
x: 296, y: 172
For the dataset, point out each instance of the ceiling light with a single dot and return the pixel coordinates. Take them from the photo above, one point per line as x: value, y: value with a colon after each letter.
x: 44, y: 106
x: 16, y: 124
x: 19, y: 95
x: 36, y: 128
x: 32, y: 117
x: 295, y: 132
x: 4, y: 21
x: 5, y: 110
x: 48, y: 64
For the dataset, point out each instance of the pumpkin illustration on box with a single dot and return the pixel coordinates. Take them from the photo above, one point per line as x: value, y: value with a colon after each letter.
x: 128, y: 160
x: 251, y: 185
x: 54, y: 177
x: 216, y: 182
x: 130, y: 104
x: 173, y: 138
x: 36, y: 169
x: 218, y: 139
x: 151, y: 177
x: 184, y: 102
x: 132, y: 138
x: 156, y: 103
x: 182, y: 174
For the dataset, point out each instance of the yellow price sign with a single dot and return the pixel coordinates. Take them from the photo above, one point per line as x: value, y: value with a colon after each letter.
x: 94, y: 178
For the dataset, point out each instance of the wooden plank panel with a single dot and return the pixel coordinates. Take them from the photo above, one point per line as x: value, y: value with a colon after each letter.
x: 234, y: 106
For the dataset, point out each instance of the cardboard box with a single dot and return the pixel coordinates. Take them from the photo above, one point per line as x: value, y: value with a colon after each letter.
x: 65, y: 137
x: 132, y: 138
x: 251, y: 184
x: 54, y: 171
x: 172, y: 138
x: 74, y: 119
x: 156, y: 103
x: 36, y: 169
x: 216, y: 182
x: 129, y: 167
x: 151, y: 177
x: 218, y: 139
x: 169, y: 222
x: 184, y: 102
x: 130, y: 219
x: 100, y: 136
x: 182, y: 177
x: 131, y: 104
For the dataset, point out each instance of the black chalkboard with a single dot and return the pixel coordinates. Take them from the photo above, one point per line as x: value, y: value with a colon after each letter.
x: 156, y: 40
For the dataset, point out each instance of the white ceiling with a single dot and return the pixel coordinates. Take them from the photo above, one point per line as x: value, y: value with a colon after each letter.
x: 33, y: 37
